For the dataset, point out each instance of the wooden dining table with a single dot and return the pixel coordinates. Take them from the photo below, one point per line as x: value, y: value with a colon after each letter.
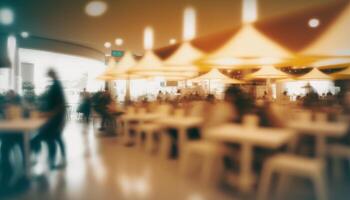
x: 25, y: 127
x: 247, y: 138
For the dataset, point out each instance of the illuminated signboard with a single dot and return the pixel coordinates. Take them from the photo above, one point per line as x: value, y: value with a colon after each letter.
x: 117, y: 53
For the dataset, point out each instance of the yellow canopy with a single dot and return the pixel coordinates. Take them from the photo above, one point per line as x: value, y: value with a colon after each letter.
x: 331, y: 63
x: 249, y: 47
x: 183, y: 58
x: 344, y: 74
x: 149, y: 62
x: 110, y: 70
x: 150, y: 65
x: 216, y: 75
x: 315, y: 74
x: 267, y: 72
x: 125, y: 63
x: 106, y: 77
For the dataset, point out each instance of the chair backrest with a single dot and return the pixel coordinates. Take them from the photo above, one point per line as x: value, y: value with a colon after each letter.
x: 13, y: 112
x: 131, y: 110
x: 303, y: 115
x: 219, y: 113
x: 179, y: 112
x: 321, y: 117
x: 142, y: 110
x: 197, y: 109
x: 250, y: 120
x: 164, y: 109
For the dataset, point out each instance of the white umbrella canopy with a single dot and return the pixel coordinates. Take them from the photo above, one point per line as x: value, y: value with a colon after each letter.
x: 216, y: 75
x: 249, y: 47
x: 335, y: 40
x: 267, y: 72
x: 183, y: 58
x: 315, y: 74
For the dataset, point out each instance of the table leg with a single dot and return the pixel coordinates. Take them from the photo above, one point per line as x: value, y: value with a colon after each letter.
x: 26, y: 146
x: 246, y: 177
x: 320, y: 146
x: 126, y: 132
x: 182, y: 138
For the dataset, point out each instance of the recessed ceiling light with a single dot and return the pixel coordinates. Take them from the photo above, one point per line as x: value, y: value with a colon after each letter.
x: 119, y: 41
x: 107, y: 44
x: 24, y: 34
x: 96, y: 8
x: 314, y: 23
x: 6, y: 16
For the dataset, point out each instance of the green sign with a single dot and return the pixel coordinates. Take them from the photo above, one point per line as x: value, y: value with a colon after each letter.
x: 117, y: 53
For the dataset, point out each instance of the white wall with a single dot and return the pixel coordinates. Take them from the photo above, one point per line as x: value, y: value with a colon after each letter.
x: 75, y: 72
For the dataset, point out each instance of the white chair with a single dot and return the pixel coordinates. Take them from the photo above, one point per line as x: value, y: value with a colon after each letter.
x: 287, y: 164
x: 211, y: 155
x: 197, y: 109
x: 302, y: 115
x: 151, y: 129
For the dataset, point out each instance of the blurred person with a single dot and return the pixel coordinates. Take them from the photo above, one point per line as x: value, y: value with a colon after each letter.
x: 345, y: 101
x: 240, y: 101
x: 101, y: 102
x: 285, y: 98
x: 85, y: 105
x: 160, y: 96
x: 2, y: 106
x: 51, y: 131
x: 12, y: 98
x: 265, y: 96
x: 210, y: 98
x: 271, y: 115
x: 311, y: 99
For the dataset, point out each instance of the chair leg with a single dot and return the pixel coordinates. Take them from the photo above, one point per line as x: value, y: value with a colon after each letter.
x: 165, y: 145
x: 138, y: 134
x: 185, y: 162
x: 336, y: 168
x: 320, y: 186
x: 265, y: 182
x: 211, y: 169
x: 149, y: 141
x: 282, y: 185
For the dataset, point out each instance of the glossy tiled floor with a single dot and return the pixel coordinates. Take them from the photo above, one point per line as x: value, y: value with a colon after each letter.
x: 103, y: 168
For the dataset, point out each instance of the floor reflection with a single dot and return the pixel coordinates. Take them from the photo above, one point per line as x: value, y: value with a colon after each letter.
x: 102, y: 168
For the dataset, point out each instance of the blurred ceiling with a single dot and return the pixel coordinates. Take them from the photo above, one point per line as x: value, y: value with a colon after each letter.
x: 66, y: 19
